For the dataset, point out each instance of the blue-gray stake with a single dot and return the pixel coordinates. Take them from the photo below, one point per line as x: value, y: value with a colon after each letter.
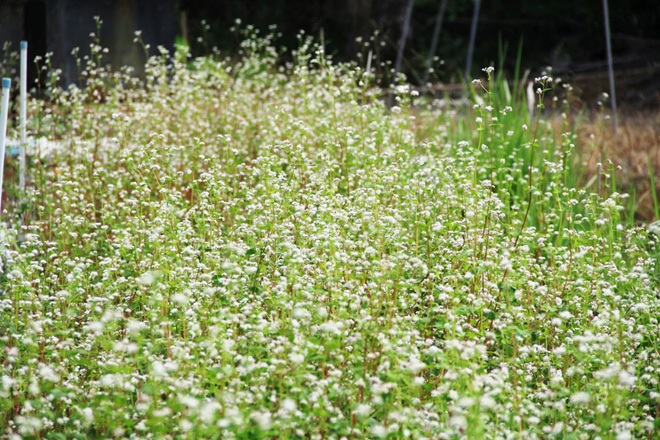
x: 4, y: 110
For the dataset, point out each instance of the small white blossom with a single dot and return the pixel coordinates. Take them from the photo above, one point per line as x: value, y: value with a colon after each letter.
x: 296, y: 358
x: 581, y: 397
x: 48, y: 373
x: 379, y: 431
x: 362, y: 410
x: 289, y: 405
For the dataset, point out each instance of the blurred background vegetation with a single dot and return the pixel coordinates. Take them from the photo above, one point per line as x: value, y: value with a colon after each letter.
x: 513, y: 35
x: 565, y: 34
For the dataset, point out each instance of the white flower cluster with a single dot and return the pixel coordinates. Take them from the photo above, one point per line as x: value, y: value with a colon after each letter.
x: 259, y: 250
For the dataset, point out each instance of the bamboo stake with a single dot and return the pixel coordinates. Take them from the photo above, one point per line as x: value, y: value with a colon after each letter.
x: 402, y: 45
x: 473, y: 36
x: 610, y: 66
x: 434, y: 41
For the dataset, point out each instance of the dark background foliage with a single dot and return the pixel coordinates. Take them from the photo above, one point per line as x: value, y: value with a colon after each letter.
x: 567, y: 34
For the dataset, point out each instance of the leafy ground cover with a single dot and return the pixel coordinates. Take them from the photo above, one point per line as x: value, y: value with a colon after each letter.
x: 262, y: 250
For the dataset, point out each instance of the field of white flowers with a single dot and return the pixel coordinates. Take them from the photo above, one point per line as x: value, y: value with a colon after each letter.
x: 251, y: 249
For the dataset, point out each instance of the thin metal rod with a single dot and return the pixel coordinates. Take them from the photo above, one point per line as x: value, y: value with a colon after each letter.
x: 610, y: 64
x: 473, y: 37
x: 434, y: 40
x: 402, y: 45
x: 23, y: 115
x: 4, y: 111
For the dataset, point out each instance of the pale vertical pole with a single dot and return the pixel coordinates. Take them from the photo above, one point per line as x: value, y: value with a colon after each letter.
x: 434, y: 40
x: 473, y: 37
x: 610, y: 63
x: 23, y: 115
x: 4, y: 110
x: 402, y: 45
x: 371, y: 54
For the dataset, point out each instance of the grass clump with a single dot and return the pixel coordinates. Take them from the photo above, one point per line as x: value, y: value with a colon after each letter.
x: 254, y: 250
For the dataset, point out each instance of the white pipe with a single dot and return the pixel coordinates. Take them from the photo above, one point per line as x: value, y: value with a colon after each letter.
x: 23, y: 115
x: 4, y: 110
x: 531, y: 100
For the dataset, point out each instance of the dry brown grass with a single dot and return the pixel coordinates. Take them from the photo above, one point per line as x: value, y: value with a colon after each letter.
x: 636, y: 142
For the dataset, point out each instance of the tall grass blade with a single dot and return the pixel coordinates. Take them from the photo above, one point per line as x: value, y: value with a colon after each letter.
x: 655, y: 197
